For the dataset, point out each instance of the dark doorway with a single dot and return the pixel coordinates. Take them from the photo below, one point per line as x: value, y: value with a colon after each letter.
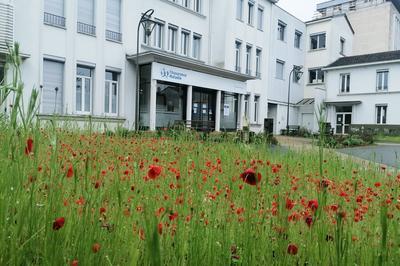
x: 203, y: 109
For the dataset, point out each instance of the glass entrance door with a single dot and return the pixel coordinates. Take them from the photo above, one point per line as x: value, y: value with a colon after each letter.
x: 203, y: 109
x: 343, y: 122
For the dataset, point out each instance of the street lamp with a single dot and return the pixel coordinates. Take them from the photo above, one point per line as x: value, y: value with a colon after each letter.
x: 148, y: 26
x: 298, y: 73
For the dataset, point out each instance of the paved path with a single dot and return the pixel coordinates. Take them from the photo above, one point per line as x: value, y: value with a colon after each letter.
x: 388, y: 154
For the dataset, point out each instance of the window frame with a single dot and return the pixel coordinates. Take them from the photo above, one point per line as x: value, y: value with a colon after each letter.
x: 319, y: 73
x: 110, y: 87
x: 172, y: 28
x: 250, y: 12
x: 239, y: 8
x: 278, y: 61
x: 281, y: 31
x: 345, y: 83
x: 195, y: 37
x: 185, y: 34
x: 258, y: 61
x: 382, y: 85
x: 298, y: 34
x: 83, y: 95
x: 238, y: 55
x: 249, y: 52
x: 380, y: 116
x: 256, y: 114
x: 318, y: 35
x: 260, y: 18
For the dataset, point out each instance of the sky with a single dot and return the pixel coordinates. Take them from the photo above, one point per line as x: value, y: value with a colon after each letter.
x: 303, y: 9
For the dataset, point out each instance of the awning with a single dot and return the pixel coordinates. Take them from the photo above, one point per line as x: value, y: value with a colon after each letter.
x: 342, y: 103
x: 306, y: 101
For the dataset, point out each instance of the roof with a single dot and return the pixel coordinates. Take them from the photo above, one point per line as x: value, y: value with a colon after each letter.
x: 366, y: 59
x: 306, y: 101
x: 331, y: 3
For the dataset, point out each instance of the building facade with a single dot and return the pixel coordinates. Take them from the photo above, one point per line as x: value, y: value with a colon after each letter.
x: 363, y: 90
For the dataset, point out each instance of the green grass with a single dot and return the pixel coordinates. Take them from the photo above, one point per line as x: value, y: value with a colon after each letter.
x: 388, y: 139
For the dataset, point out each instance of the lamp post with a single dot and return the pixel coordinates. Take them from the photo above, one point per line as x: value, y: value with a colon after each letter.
x: 298, y: 73
x: 148, y: 27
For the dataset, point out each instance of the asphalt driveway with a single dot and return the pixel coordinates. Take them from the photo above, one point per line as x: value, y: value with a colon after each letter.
x: 388, y: 154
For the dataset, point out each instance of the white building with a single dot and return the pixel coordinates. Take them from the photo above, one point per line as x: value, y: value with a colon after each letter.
x: 363, y: 90
x: 288, y: 44
x: 376, y: 22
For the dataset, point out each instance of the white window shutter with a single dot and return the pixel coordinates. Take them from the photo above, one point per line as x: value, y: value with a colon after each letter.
x: 55, y: 7
x: 86, y: 11
x: 114, y: 15
x: 52, y: 99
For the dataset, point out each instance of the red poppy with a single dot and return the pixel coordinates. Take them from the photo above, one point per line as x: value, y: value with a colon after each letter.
x: 154, y: 171
x: 249, y: 177
x: 74, y: 263
x: 96, y: 247
x: 289, y: 204
x: 58, y: 223
x: 313, y: 204
x: 309, y: 220
x: 292, y: 249
x: 102, y: 210
x: 173, y: 216
x: 159, y: 228
x: 29, y: 146
x: 70, y: 172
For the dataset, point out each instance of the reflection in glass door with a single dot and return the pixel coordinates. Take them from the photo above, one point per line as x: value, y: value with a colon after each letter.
x: 203, y: 109
x: 343, y: 122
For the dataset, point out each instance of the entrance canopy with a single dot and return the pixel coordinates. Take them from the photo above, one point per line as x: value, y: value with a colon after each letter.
x: 178, y: 69
x: 342, y: 103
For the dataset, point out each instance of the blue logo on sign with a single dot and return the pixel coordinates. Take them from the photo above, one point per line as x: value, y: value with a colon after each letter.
x: 170, y: 74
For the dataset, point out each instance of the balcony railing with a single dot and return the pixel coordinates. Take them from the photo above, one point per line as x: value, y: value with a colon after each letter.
x: 113, y: 36
x: 86, y: 29
x: 54, y: 20
x: 6, y: 27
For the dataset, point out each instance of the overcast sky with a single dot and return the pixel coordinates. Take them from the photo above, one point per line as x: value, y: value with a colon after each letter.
x: 303, y: 9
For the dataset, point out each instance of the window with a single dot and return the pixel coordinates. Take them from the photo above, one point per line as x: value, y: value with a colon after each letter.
x: 186, y: 3
x: 113, y: 25
x: 239, y: 9
x: 250, y: 15
x: 185, y: 43
x: 86, y: 17
x: 281, y: 30
x: 256, y: 108
x: 258, y: 62
x: 344, y: 83
x: 381, y: 114
x: 53, y: 89
x: 172, y: 38
x: 2, y: 74
x: 54, y: 13
x: 111, y: 93
x: 382, y: 80
x: 248, y: 59
x: 246, y: 106
x: 238, y: 49
x: 157, y: 35
x: 196, y: 46
x: 83, y: 89
x: 280, y: 65
x: 316, y: 76
x: 260, y: 18
x: 197, y: 6
x: 342, y: 45
x: 318, y: 41
x: 297, y: 39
